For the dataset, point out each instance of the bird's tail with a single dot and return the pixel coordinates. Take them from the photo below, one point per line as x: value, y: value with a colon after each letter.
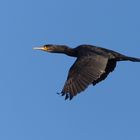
x: 127, y: 58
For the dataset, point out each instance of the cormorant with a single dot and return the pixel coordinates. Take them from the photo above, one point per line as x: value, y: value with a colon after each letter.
x: 93, y: 64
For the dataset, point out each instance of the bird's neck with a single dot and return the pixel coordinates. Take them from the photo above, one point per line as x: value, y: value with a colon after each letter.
x: 65, y: 50
x: 70, y: 52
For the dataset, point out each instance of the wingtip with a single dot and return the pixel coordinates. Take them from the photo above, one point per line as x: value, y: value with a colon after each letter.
x: 67, y: 95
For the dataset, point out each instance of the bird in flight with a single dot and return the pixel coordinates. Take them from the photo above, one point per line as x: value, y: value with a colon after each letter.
x: 93, y: 64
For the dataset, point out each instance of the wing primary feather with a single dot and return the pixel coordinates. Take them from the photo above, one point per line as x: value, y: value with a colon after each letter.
x: 80, y: 85
x: 83, y: 83
x: 77, y: 86
x: 71, y: 90
x: 74, y: 89
x: 66, y: 96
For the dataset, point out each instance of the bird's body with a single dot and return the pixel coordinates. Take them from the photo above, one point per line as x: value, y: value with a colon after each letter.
x: 93, y: 64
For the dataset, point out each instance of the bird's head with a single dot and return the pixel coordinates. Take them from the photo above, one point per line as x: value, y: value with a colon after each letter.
x: 57, y: 49
x: 52, y: 48
x: 47, y: 48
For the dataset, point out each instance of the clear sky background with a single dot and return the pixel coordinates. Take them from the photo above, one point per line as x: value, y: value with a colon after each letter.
x: 30, y: 109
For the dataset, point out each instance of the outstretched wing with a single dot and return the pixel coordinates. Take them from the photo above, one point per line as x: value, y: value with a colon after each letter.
x: 84, y: 71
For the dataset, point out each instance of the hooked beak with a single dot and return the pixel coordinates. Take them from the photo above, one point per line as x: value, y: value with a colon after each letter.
x: 39, y: 48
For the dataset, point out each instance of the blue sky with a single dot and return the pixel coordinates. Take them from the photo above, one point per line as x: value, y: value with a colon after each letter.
x: 30, y: 109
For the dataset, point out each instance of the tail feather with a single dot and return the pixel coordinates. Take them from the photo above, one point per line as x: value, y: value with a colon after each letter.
x: 127, y: 58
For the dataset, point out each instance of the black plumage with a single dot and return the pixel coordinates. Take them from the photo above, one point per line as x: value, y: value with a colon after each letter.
x: 93, y: 65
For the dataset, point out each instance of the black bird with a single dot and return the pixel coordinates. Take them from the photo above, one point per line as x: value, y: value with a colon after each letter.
x: 93, y: 64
